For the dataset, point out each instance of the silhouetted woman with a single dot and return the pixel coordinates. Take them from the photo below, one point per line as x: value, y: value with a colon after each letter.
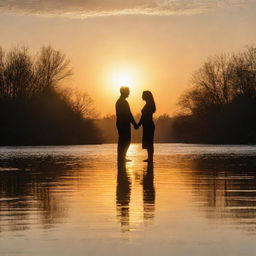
x: 148, y: 125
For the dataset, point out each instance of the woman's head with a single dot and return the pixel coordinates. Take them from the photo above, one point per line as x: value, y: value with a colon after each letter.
x: 148, y: 97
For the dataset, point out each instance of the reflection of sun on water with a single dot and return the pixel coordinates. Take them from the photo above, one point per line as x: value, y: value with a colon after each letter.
x: 136, y: 202
x: 133, y: 150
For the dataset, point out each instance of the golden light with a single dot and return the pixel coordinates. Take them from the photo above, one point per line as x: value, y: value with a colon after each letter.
x: 124, y: 73
x: 123, y: 77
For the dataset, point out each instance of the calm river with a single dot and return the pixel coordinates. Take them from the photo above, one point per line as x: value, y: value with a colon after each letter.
x: 195, y: 200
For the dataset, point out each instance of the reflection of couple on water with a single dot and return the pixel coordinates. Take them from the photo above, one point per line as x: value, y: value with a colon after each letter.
x: 124, y: 118
x: 123, y: 194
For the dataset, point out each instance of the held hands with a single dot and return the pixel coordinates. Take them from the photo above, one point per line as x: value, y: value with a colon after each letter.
x: 136, y: 126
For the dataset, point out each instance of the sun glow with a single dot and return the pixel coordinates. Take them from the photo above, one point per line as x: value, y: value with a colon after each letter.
x: 130, y: 74
x: 123, y: 77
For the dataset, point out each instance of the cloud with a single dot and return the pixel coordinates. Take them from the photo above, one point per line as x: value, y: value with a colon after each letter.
x: 88, y: 8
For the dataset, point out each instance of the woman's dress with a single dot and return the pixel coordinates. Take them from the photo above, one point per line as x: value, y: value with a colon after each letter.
x: 148, y: 127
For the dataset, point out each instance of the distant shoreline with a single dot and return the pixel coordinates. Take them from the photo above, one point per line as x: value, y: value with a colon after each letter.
x: 136, y: 143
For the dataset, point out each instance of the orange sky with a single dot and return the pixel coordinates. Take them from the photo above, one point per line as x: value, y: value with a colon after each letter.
x: 160, y: 50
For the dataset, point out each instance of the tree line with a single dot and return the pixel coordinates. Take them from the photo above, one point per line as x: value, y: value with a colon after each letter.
x: 220, y: 105
x: 34, y: 108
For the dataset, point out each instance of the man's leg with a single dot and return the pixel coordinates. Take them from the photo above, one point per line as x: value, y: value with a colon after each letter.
x: 121, y: 148
x: 124, y: 141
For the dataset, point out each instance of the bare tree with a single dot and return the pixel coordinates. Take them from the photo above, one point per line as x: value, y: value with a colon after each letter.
x: 221, y: 79
x: 81, y: 102
x: 245, y: 72
x: 51, y: 68
x: 34, y: 110
x: 17, y: 73
x: 23, y: 75
x: 2, y: 84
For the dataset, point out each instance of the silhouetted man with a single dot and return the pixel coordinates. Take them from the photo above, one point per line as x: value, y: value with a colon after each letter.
x: 124, y: 118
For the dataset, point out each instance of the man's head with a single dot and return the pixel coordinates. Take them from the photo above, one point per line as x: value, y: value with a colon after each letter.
x: 124, y: 90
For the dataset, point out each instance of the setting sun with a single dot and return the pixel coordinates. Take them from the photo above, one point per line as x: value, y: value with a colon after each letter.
x: 123, y: 77
x: 118, y: 73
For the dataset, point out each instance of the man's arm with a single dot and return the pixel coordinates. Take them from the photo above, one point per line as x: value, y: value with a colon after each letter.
x: 132, y: 118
